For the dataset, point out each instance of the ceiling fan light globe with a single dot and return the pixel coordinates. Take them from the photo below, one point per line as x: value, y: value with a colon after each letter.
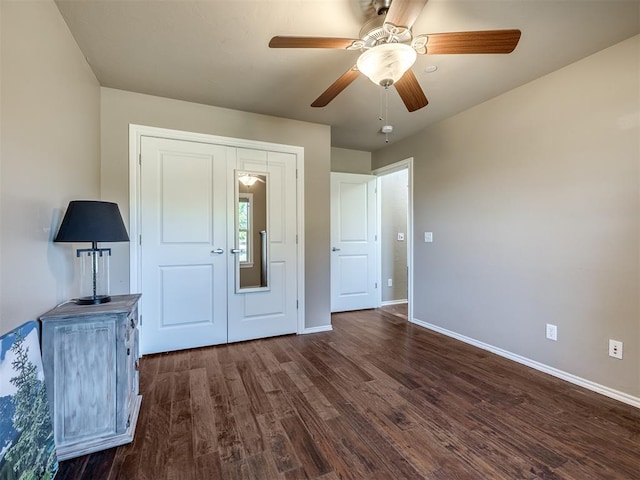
x: 385, y: 64
x: 247, y: 180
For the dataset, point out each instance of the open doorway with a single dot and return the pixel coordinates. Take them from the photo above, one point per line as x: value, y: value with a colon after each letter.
x: 395, y: 231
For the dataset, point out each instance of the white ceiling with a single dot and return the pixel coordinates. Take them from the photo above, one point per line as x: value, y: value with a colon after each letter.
x: 215, y: 52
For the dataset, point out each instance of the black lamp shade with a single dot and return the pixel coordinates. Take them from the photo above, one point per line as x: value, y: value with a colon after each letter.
x: 92, y: 221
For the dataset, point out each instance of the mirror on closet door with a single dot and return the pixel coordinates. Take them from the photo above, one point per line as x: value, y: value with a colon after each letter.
x: 251, y: 237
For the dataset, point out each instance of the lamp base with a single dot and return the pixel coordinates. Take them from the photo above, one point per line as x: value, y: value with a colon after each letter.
x: 97, y: 300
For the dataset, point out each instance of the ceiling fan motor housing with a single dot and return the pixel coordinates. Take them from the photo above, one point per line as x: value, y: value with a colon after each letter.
x: 374, y: 33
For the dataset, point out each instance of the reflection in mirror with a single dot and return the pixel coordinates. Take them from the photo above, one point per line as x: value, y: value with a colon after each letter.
x: 251, y: 231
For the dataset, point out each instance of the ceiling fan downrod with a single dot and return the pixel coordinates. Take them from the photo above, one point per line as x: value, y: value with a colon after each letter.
x: 381, y: 6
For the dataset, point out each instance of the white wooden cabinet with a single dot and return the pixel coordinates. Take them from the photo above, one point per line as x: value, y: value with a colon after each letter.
x: 90, y: 358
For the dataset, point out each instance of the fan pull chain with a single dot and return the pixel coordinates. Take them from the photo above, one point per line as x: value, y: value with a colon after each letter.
x: 385, y: 126
x: 386, y: 112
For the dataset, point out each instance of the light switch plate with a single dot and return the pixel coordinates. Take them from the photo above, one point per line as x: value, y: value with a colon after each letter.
x: 428, y: 237
x: 552, y: 332
x: 400, y: 237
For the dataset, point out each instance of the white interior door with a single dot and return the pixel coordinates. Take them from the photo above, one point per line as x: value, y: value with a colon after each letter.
x: 258, y: 313
x: 353, y: 242
x: 183, y: 225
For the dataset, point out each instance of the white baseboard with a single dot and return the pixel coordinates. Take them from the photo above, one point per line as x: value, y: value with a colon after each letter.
x: 582, y: 382
x: 321, y: 328
x: 393, y: 302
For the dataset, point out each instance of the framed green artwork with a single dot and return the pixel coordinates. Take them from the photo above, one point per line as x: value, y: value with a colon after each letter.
x: 27, y: 448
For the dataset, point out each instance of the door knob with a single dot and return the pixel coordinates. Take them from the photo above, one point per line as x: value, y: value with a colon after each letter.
x: 219, y: 251
x: 236, y: 250
x: 334, y: 249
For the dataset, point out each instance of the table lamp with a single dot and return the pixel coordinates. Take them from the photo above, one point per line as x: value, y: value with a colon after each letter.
x: 93, y: 221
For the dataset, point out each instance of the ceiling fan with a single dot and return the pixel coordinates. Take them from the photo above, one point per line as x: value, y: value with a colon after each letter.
x: 390, y: 49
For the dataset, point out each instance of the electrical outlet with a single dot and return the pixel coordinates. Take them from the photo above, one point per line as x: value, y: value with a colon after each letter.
x: 552, y: 332
x: 390, y: 282
x: 615, y: 349
x: 428, y: 237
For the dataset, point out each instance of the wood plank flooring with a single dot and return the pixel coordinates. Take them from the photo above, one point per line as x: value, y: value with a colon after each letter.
x: 377, y: 398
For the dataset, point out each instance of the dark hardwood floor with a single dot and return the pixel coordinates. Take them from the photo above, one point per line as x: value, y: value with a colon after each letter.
x: 399, y: 310
x: 377, y: 398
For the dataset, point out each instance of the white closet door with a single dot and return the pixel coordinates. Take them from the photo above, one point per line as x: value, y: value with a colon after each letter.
x: 184, y: 244
x: 265, y: 313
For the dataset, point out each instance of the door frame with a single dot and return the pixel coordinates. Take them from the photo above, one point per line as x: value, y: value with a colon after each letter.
x: 406, y: 164
x: 136, y: 132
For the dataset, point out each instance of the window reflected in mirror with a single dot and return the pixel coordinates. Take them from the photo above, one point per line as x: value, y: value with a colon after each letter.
x: 245, y: 201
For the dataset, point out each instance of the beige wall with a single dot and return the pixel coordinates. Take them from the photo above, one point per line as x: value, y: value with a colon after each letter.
x: 345, y: 160
x: 120, y: 108
x: 533, y: 199
x: 49, y: 155
x: 394, y: 205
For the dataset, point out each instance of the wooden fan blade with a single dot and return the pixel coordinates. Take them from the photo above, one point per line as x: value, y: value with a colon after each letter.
x: 403, y: 13
x: 490, y: 41
x: 310, y: 42
x: 336, y: 87
x: 410, y: 91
